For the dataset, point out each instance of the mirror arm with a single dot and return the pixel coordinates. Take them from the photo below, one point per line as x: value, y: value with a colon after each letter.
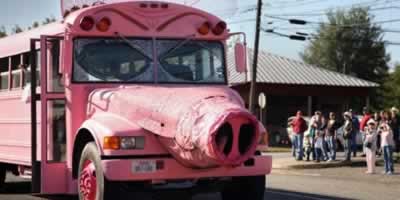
x: 242, y: 34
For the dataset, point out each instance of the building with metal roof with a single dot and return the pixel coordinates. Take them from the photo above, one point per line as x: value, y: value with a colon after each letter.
x: 292, y: 85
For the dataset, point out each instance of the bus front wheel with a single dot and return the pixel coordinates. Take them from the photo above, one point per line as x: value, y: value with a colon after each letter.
x: 91, y: 181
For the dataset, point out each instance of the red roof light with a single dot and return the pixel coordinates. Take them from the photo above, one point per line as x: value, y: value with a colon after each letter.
x: 87, y: 23
x: 219, y: 28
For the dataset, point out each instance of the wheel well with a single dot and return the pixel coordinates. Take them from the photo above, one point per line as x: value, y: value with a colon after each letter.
x: 84, y: 136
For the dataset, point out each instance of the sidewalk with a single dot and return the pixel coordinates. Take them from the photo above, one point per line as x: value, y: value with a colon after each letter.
x: 286, y: 161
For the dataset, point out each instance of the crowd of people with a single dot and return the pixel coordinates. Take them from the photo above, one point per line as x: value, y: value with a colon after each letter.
x: 317, y: 139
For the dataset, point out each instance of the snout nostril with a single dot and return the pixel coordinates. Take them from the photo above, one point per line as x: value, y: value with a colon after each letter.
x: 246, y: 137
x: 224, y: 138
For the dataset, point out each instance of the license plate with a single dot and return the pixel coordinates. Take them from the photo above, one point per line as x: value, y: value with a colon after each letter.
x: 145, y: 166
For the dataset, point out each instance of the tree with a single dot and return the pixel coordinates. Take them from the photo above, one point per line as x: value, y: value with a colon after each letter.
x: 392, y: 89
x: 3, y: 32
x: 16, y: 29
x: 353, y: 44
x: 49, y: 20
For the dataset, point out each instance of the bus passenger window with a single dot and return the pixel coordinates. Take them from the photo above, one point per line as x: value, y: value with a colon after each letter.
x: 27, y: 70
x: 4, y: 73
x: 16, y: 71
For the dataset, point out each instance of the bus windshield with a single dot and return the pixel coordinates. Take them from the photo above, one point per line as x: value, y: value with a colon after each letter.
x: 134, y: 61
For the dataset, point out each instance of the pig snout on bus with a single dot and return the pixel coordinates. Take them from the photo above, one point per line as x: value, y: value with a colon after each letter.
x: 215, y: 132
x: 201, y: 127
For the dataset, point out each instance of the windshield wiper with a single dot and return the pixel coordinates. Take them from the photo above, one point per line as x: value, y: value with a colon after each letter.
x: 177, y: 46
x: 133, y: 45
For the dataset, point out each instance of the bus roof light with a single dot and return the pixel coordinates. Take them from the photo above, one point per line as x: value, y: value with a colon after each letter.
x: 104, y: 24
x: 204, y: 29
x: 164, y: 5
x: 219, y: 28
x: 154, y: 5
x: 87, y: 23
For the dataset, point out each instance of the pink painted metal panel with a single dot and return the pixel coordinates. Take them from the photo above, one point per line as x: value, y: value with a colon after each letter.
x: 174, y: 170
x: 15, y: 128
x: 20, y: 43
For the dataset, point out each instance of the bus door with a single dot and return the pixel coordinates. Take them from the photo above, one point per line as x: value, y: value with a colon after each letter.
x: 53, y: 166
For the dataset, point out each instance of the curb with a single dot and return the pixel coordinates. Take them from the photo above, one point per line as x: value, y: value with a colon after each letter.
x: 324, y: 165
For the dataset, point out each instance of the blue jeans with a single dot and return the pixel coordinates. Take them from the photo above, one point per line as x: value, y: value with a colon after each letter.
x: 354, y: 142
x: 298, y: 138
x: 293, y: 141
x: 318, y: 154
x: 388, y: 157
x: 347, y: 148
x: 332, y: 147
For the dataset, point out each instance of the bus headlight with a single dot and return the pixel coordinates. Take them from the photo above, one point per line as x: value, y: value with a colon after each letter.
x: 132, y: 142
x: 124, y: 143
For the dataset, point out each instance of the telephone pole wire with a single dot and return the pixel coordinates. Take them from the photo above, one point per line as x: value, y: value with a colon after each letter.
x: 255, y: 59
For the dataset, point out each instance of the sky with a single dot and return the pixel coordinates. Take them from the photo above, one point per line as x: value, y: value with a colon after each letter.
x: 25, y: 12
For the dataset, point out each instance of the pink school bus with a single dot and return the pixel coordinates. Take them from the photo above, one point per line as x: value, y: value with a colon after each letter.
x: 122, y: 94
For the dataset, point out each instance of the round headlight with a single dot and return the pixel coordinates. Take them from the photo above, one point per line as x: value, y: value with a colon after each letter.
x: 128, y: 143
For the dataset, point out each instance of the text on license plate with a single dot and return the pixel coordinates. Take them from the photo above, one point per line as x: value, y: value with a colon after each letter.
x: 144, y: 166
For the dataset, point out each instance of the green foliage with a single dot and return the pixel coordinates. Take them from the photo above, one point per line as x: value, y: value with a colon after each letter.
x: 16, y: 29
x: 3, y: 32
x: 392, y: 89
x: 353, y: 44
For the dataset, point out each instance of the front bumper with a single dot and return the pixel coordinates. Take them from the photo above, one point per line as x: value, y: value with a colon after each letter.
x: 121, y: 170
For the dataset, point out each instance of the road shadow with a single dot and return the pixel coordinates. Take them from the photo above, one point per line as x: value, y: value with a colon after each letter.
x: 24, y: 188
x: 291, y: 195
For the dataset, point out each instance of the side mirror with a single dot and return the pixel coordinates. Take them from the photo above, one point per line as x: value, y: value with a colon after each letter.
x: 241, y: 57
x: 26, y: 94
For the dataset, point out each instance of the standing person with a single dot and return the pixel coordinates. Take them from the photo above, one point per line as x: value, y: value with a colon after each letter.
x: 347, y: 135
x: 318, y: 146
x: 333, y: 125
x: 363, y: 124
x: 384, y: 121
x: 387, y: 144
x: 291, y: 136
x: 315, y: 124
x: 356, y: 130
x: 370, y: 144
x: 299, y: 126
x: 395, y: 125
x: 322, y: 134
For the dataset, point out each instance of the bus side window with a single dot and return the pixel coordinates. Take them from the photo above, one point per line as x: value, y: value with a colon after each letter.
x: 27, y: 69
x: 54, y: 77
x: 4, y: 62
x: 16, y: 71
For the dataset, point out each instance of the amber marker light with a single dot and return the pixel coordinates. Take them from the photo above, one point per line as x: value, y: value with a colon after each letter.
x: 219, y: 28
x: 112, y: 143
x: 87, y: 23
x: 204, y: 29
x: 104, y: 24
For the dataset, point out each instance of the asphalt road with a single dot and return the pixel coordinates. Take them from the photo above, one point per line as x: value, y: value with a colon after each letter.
x: 346, y: 183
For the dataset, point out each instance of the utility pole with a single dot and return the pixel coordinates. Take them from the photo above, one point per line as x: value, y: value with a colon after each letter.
x: 255, y: 59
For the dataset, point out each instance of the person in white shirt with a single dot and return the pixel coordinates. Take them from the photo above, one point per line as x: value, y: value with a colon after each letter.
x: 370, y: 144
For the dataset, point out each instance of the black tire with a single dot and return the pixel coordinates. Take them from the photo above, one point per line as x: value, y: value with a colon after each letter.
x: 91, y: 153
x: 243, y: 188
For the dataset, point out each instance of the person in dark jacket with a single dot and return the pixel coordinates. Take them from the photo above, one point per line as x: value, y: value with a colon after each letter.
x: 356, y: 130
x: 347, y: 135
x: 299, y: 126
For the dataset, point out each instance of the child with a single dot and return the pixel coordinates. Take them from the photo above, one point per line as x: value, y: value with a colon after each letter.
x: 370, y: 144
x: 387, y: 145
x: 318, y: 147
